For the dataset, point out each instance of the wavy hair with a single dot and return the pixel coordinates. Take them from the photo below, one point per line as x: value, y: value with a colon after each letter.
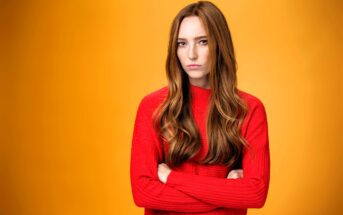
x: 173, y: 119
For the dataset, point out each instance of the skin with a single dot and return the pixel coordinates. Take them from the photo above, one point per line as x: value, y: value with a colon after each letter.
x: 193, y: 49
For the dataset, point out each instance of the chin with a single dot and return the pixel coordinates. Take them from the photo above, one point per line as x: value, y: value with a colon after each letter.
x: 196, y: 74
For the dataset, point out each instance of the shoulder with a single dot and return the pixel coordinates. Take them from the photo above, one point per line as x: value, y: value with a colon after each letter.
x: 256, y: 109
x: 151, y: 100
x: 156, y: 95
x: 251, y: 100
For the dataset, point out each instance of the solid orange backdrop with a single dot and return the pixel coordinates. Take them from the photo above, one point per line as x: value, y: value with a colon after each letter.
x: 73, y: 73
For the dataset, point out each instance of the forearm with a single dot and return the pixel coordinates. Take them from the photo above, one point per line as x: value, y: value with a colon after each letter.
x: 222, y: 192
x: 147, y: 190
x: 149, y: 193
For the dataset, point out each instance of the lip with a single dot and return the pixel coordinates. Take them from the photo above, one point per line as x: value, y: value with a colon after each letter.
x: 193, y: 66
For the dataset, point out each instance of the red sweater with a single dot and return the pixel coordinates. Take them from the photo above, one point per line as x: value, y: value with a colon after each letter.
x: 193, y: 188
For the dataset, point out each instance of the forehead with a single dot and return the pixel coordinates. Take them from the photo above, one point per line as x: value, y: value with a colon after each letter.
x: 191, y: 27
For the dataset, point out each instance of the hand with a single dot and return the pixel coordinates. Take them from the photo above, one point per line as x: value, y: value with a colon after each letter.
x: 235, y: 173
x: 163, y: 172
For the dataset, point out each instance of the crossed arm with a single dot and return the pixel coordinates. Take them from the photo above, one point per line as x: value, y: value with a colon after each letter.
x: 157, y: 187
x: 148, y: 191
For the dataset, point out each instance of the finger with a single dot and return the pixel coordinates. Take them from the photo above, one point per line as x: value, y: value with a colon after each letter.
x: 234, y: 176
x: 237, y: 173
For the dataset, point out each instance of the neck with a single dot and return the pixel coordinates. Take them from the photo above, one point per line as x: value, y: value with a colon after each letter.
x: 200, y: 83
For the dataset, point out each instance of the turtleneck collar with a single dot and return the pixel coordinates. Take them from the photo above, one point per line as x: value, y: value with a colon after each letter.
x: 200, y: 98
x: 199, y: 92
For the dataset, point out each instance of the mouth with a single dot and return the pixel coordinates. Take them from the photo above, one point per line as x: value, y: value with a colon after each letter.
x: 193, y: 66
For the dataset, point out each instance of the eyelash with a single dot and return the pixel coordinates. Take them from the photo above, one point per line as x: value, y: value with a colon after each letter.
x: 179, y: 43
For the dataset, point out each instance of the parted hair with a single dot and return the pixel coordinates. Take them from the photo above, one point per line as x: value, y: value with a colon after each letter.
x: 173, y: 119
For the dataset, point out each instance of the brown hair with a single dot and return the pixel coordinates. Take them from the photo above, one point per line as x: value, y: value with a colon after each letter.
x: 173, y: 118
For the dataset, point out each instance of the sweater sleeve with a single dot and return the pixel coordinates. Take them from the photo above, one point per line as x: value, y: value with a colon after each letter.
x: 147, y: 189
x: 247, y: 192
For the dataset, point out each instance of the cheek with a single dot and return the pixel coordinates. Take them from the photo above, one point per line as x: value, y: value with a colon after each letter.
x: 206, y: 55
x: 181, y: 56
x: 204, y: 52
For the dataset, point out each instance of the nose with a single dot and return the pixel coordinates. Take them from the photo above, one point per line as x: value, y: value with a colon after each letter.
x: 192, y: 52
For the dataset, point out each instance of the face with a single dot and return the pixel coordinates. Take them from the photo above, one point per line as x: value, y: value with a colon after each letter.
x: 193, y: 51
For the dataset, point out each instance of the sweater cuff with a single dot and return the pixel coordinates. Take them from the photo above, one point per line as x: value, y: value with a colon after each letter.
x: 174, y: 178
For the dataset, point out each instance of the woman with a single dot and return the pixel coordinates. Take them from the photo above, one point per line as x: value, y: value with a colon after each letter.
x: 200, y: 145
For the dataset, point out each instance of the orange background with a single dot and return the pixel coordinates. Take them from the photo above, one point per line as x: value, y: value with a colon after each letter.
x: 72, y: 73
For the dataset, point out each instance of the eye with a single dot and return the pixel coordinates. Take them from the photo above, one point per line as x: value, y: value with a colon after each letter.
x: 203, y: 42
x: 180, y: 43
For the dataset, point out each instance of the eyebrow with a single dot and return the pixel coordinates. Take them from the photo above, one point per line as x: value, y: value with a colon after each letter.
x: 197, y: 38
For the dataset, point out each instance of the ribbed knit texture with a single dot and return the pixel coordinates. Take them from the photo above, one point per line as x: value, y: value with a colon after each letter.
x: 193, y: 188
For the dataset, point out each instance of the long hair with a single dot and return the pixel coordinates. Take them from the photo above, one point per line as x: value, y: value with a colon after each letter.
x: 173, y: 119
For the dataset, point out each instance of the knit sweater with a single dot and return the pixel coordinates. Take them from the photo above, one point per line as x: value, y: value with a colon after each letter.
x: 194, y: 188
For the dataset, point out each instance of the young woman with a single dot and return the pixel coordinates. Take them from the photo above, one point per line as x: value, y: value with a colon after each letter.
x: 200, y: 145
